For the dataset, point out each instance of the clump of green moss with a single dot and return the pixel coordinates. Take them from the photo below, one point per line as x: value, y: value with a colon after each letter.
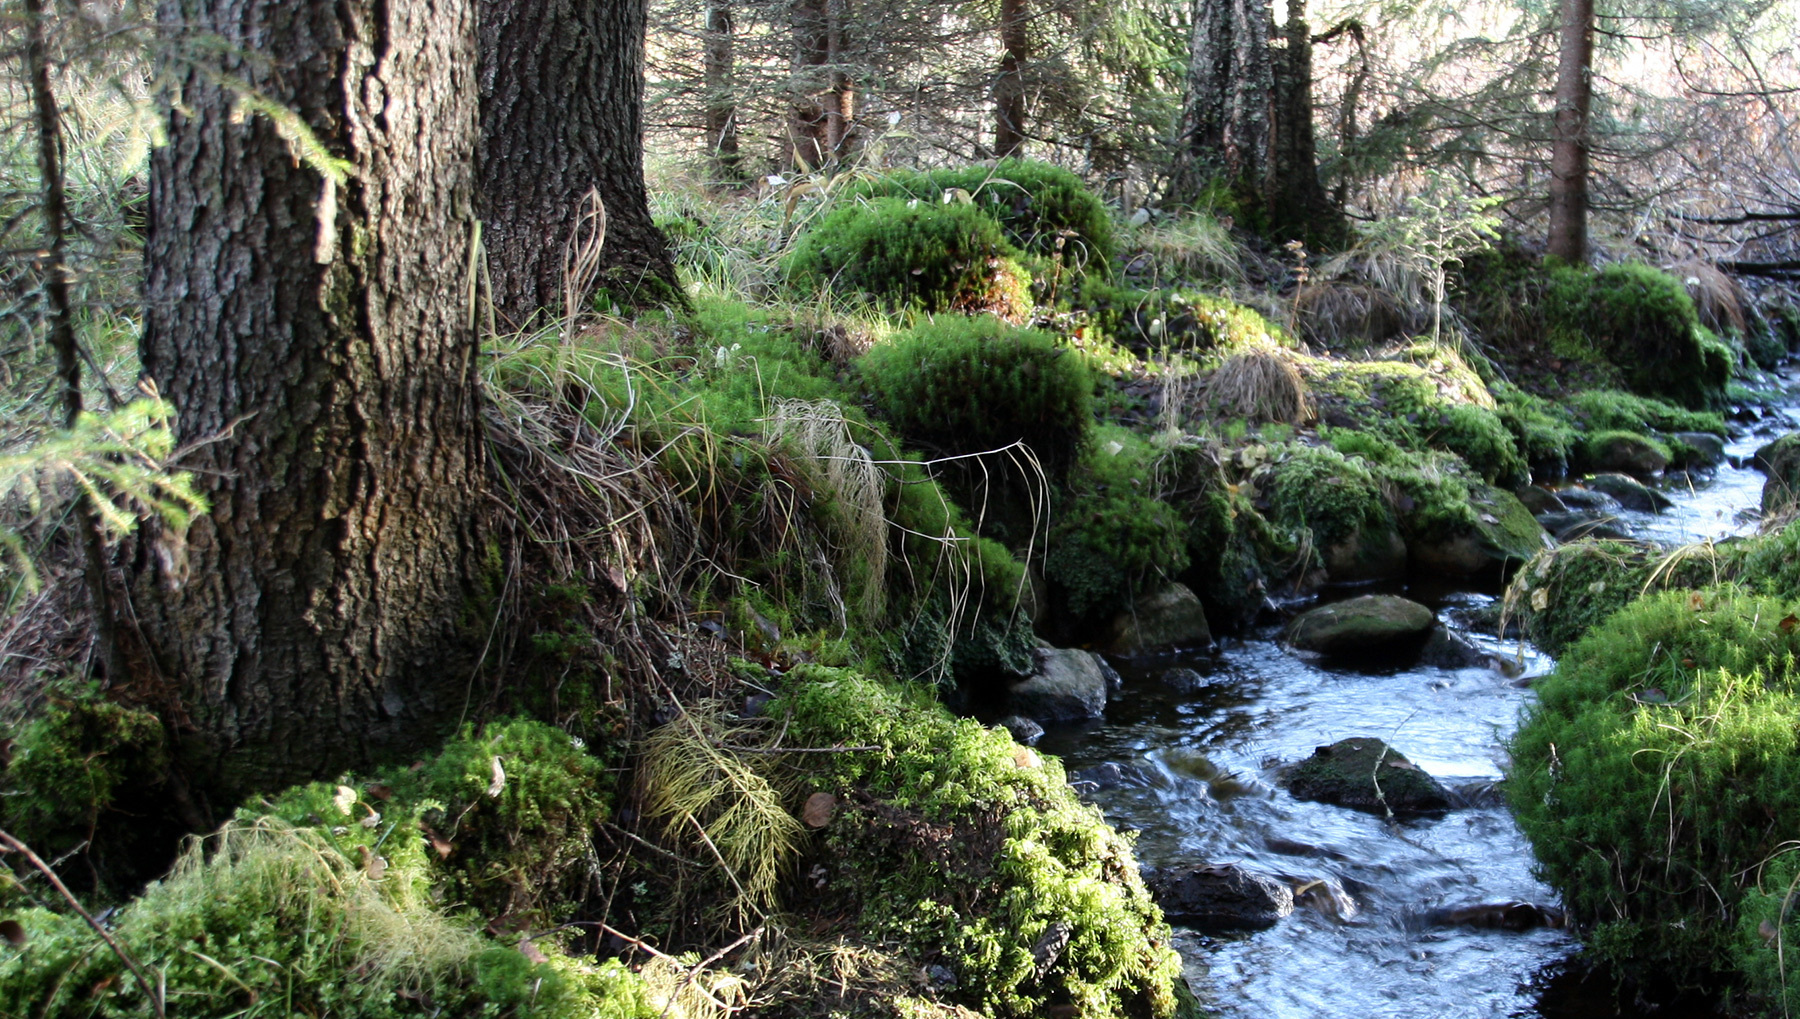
x: 968, y: 849
x: 915, y: 255
x: 1318, y: 489
x: 1437, y: 402
x: 1642, y: 320
x: 1044, y: 209
x: 1113, y: 532
x: 1180, y: 319
x: 78, y: 779
x: 1542, y: 430
x: 970, y: 385
x: 1649, y: 774
x: 1613, y: 410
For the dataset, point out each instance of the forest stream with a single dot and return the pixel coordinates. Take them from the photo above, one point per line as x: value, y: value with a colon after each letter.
x: 1196, y: 777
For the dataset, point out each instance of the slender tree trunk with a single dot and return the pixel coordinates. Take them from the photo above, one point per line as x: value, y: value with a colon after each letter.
x: 840, y: 108
x: 808, y: 146
x: 1569, y: 156
x: 721, y: 94
x: 311, y: 325
x: 562, y: 113
x: 1009, y: 88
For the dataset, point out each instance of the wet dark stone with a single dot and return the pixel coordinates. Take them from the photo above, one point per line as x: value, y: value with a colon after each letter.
x: 1588, y: 499
x: 1219, y: 896
x: 1023, y: 729
x: 1366, y: 774
x: 1631, y: 493
x: 1447, y: 649
x: 1110, y: 775
x: 1183, y: 680
x: 1540, y: 500
x: 1504, y: 916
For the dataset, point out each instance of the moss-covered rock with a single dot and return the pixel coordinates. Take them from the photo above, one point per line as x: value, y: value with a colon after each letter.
x: 1642, y: 320
x: 1501, y: 534
x: 1363, y: 773
x: 1780, y: 460
x: 966, y: 850
x: 1652, y: 772
x: 1370, y: 623
x: 1627, y: 452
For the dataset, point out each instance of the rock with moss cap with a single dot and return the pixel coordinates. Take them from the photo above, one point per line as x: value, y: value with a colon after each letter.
x: 1780, y: 460
x: 1366, y: 774
x: 1627, y: 452
x: 1375, y: 552
x: 1501, y: 533
x: 1169, y: 617
x: 1373, y: 622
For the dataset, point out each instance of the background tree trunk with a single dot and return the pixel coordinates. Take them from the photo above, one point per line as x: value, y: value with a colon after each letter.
x: 1225, y: 118
x: 1009, y: 88
x: 840, y: 108
x: 312, y: 330
x: 808, y: 146
x: 721, y: 97
x: 1569, y: 156
x: 561, y: 113
x: 1294, y: 198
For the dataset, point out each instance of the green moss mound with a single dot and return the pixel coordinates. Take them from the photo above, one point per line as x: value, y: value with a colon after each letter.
x: 1651, y: 773
x: 969, y: 849
x: 1320, y: 490
x: 915, y: 255
x: 1614, y: 410
x: 1642, y: 320
x: 1113, y: 533
x: 1043, y: 209
x: 1542, y: 430
x: 1430, y: 400
x: 968, y: 385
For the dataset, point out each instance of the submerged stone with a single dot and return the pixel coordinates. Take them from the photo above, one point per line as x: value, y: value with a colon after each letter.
x: 1366, y: 774
x: 1373, y: 622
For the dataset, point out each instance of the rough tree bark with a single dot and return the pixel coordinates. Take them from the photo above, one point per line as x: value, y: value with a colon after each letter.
x: 1009, y: 88
x: 807, y: 142
x: 1569, y: 154
x: 840, y: 103
x: 721, y: 95
x: 1225, y: 117
x: 561, y: 113
x: 1294, y: 197
x: 311, y: 326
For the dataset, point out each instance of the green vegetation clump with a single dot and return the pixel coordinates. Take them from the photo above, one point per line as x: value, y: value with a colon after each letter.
x: 1044, y: 209
x: 1652, y: 772
x: 1613, y: 410
x: 1541, y: 429
x: 1640, y: 319
x: 1319, y: 490
x: 969, y: 849
x: 78, y: 777
x: 1433, y: 402
x: 1182, y: 320
x: 926, y: 257
x: 1114, y: 532
x: 969, y: 385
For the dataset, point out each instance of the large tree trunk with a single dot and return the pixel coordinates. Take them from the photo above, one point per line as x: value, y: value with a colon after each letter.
x: 311, y: 325
x: 840, y: 105
x: 1009, y: 88
x: 1225, y: 118
x: 1569, y: 156
x: 721, y: 93
x: 562, y: 113
x: 1295, y: 199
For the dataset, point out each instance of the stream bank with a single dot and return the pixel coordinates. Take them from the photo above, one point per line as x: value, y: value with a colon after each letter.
x: 1188, y: 756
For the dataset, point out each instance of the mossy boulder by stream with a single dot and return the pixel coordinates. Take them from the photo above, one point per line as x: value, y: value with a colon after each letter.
x: 1652, y: 774
x: 1370, y: 623
x: 1780, y: 460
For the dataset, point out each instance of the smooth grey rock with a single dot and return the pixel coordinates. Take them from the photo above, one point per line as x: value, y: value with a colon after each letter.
x: 1631, y: 493
x: 1540, y: 500
x: 1166, y: 618
x: 1373, y: 622
x: 1111, y: 775
x: 1067, y: 685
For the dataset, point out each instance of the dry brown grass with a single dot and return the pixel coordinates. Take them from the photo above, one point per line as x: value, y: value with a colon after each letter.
x: 1336, y: 314
x: 1260, y: 385
x: 1717, y: 296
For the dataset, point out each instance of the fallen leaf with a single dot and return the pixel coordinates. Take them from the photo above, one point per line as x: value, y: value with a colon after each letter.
x: 1787, y: 625
x: 1696, y: 601
x: 345, y: 799
x: 378, y: 791
x: 1540, y: 599
x: 1767, y: 930
x: 1489, y: 518
x: 372, y: 820
x: 531, y: 951
x: 818, y: 810
x: 499, y: 781
x: 14, y: 933
x: 1403, y: 765
x: 1025, y: 757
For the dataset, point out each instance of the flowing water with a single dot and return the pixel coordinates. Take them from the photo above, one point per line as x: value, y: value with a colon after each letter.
x: 1198, y: 762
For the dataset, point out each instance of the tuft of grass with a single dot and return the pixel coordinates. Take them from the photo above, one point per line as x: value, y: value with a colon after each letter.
x: 1260, y: 385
